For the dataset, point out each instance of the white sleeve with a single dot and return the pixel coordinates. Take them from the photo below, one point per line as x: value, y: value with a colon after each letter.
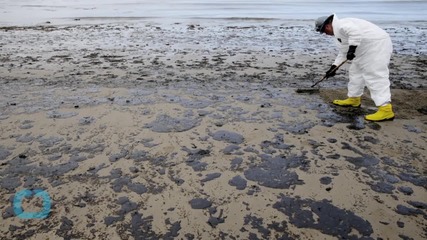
x: 353, y: 32
x: 342, y: 54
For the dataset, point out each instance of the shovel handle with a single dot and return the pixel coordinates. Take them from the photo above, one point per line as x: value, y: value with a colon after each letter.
x: 333, y: 70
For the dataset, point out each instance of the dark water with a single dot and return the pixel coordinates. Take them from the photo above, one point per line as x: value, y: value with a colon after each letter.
x: 27, y: 12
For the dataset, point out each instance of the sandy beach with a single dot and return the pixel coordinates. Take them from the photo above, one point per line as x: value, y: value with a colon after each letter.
x: 193, y: 130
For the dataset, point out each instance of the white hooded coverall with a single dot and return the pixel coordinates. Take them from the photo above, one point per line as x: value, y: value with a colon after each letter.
x: 370, y: 66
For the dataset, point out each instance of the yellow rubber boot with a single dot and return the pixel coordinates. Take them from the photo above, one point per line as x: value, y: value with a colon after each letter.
x: 349, y: 102
x: 384, y: 113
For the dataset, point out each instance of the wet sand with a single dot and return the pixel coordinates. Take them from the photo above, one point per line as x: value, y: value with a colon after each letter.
x: 195, y: 131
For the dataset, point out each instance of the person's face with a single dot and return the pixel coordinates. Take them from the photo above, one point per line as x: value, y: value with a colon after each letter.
x: 329, y: 30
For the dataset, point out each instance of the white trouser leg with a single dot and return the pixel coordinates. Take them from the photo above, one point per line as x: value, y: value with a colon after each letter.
x: 376, y: 72
x: 356, y: 82
x: 379, y: 86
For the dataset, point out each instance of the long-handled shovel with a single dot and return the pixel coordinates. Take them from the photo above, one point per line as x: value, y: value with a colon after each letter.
x: 315, y: 90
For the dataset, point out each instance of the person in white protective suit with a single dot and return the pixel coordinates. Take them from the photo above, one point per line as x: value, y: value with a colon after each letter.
x: 369, y: 49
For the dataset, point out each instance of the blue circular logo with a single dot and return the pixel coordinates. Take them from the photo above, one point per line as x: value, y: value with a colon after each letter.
x: 19, y: 197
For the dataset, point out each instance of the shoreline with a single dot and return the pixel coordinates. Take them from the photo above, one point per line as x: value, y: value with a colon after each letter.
x: 369, y: 10
x: 82, y: 21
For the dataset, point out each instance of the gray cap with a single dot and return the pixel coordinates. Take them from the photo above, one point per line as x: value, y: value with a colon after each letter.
x: 321, y: 22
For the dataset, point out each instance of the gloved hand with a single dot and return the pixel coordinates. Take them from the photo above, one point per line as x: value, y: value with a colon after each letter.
x: 350, y: 53
x: 331, y: 72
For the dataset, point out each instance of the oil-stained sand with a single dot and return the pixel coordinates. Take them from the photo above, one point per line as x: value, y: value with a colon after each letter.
x: 136, y: 134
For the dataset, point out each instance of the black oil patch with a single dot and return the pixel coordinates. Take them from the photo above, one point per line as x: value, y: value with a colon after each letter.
x: 139, y: 155
x: 411, y: 128
x: 406, y: 190
x: 57, y: 170
x: 94, y: 170
x: 403, y: 210
x: 26, y: 124
x: 4, y: 153
x: 334, y: 156
x: 253, y: 189
x: 90, y: 149
x: 10, y: 183
x: 238, y: 182
x: 323, y: 216
x: 49, y: 141
x: 175, y: 177
x: 54, y: 157
x: 66, y: 229
x: 27, y: 138
x: 400, y: 224
x: 140, y: 228
x: 200, y: 203
x: 215, y: 221
x: 389, y: 161
x: 374, y: 126
x: 227, y: 136
x: 391, y: 178
x: 196, y: 104
x: 173, y: 229
x: 83, y: 199
x: 86, y: 121
x: 8, y: 212
x: 251, y: 150
x: 148, y: 143
x: 357, y: 124
x: 26, y: 235
x: 329, y: 118
x: 61, y: 115
x: 257, y: 223
x: 21, y: 166
x: 415, y: 179
x: 126, y: 207
x: 419, y: 205
x: 325, y: 180
x: 230, y: 149
x: 274, y: 172
x: 120, y: 181
x: 381, y: 175
x: 235, y: 163
x: 382, y: 187
x: 165, y: 124
x: 353, y: 116
x: 280, y: 227
x: 117, y: 156
x: 30, y: 181
x: 112, y: 219
x: 194, y: 157
x: 210, y: 177
x: 277, y: 143
x: 363, y: 161
x: 297, y: 127
x: 78, y: 158
x: 371, y: 139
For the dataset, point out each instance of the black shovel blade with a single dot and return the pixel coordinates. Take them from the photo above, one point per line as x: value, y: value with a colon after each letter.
x: 308, y: 90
